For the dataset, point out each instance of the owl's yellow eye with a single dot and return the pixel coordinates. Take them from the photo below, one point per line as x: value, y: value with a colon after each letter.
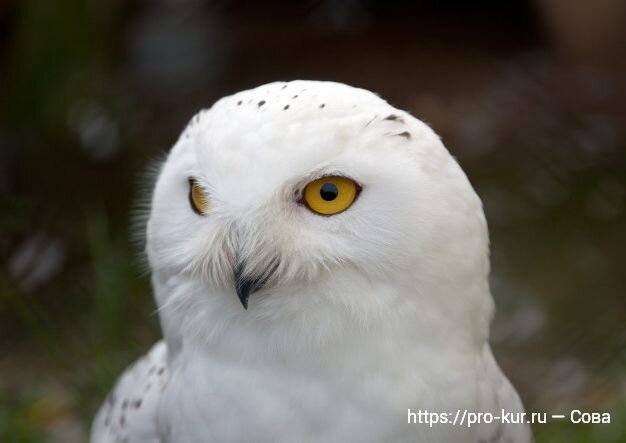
x: 197, y: 198
x: 330, y: 195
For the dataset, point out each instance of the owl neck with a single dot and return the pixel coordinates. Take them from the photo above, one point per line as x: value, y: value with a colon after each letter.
x: 371, y: 318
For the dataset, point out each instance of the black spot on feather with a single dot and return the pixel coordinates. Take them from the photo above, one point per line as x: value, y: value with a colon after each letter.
x: 405, y: 134
x: 394, y: 118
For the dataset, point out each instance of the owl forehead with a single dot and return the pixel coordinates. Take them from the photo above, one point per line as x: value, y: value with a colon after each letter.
x: 291, y: 109
x: 278, y: 132
x: 299, y: 99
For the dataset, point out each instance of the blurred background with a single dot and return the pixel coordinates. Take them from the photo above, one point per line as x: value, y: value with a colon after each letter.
x: 530, y: 96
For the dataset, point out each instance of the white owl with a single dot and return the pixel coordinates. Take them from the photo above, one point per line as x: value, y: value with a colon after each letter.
x: 320, y: 263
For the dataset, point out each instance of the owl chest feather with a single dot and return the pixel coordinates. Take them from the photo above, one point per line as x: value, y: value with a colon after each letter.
x: 230, y: 400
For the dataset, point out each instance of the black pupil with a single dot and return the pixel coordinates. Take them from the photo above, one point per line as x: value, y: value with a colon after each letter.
x: 329, y: 192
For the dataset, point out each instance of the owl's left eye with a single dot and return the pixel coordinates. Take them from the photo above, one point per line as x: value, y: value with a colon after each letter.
x: 330, y: 195
x: 198, y: 198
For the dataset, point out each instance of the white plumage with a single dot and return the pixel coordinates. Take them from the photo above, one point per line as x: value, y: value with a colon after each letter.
x: 352, y: 318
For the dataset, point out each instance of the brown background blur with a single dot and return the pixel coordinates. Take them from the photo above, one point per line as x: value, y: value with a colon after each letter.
x: 530, y: 96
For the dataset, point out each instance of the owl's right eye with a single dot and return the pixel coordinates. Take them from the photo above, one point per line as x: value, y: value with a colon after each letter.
x: 198, y: 198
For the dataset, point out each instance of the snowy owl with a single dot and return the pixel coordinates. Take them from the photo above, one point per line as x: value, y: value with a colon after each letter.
x: 320, y: 264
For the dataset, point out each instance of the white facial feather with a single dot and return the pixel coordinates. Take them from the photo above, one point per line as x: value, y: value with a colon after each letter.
x: 416, y: 229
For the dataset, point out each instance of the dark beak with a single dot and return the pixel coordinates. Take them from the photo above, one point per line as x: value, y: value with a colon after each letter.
x: 247, y: 284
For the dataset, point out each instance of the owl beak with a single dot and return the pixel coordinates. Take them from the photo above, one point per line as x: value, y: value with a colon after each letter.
x: 246, y: 284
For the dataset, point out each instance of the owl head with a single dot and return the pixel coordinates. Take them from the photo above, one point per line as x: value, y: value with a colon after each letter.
x: 319, y: 205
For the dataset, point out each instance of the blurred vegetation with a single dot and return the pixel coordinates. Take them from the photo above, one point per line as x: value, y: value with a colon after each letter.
x: 91, y: 92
